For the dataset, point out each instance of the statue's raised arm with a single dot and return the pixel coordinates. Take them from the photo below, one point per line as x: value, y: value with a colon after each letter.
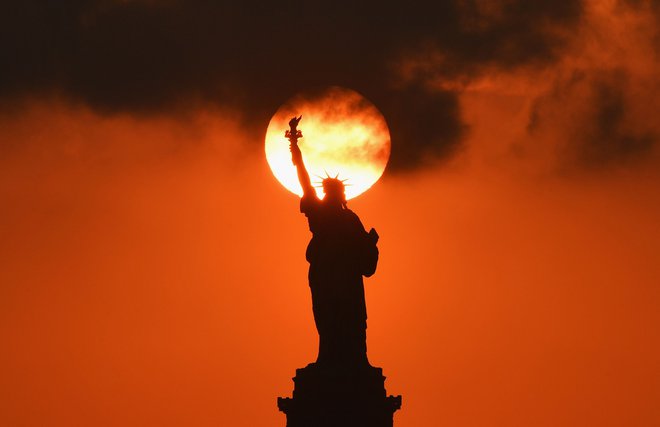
x: 296, y: 156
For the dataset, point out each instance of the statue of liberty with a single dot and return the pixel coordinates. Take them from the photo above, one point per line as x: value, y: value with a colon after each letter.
x: 339, y: 254
x: 341, y: 388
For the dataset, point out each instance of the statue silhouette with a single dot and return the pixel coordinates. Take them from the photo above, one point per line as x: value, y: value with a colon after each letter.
x: 339, y: 254
x: 341, y: 389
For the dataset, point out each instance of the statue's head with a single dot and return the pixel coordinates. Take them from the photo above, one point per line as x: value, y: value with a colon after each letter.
x: 334, y: 191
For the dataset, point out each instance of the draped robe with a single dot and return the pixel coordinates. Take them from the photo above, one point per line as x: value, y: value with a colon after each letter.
x: 339, y: 253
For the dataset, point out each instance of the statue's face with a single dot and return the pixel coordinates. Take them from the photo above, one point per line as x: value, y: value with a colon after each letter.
x: 334, y: 195
x: 334, y: 191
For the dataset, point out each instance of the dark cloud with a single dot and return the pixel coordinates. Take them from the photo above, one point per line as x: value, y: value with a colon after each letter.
x: 655, y: 8
x: 610, y: 138
x: 594, y: 112
x: 147, y: 56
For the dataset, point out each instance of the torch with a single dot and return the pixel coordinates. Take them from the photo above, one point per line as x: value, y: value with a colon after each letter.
x: 293, y: 133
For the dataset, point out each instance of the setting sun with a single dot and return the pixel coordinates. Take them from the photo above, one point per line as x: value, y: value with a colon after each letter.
x: 344, y: 135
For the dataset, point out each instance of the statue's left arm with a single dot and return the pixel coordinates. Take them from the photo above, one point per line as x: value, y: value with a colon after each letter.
x: 366, y: 244
x: 370, y: 255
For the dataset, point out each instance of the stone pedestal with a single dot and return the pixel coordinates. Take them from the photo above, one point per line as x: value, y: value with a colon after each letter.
x: 339, y: 397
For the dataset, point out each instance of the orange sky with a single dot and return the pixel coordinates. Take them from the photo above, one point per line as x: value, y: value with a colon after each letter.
x: 153, y: 269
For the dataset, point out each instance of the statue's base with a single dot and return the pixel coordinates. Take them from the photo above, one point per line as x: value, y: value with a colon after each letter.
x: 333, y: 397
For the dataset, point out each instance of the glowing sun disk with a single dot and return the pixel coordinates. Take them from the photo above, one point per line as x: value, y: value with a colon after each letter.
x: 343, y: 134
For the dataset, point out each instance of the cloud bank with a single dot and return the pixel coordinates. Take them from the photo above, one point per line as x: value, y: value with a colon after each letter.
x: 144, y: 57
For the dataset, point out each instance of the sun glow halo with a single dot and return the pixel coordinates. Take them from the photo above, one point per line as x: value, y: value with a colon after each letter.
x: 343, y: 134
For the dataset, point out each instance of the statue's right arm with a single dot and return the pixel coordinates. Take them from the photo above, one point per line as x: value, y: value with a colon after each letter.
x: 303, y: 175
